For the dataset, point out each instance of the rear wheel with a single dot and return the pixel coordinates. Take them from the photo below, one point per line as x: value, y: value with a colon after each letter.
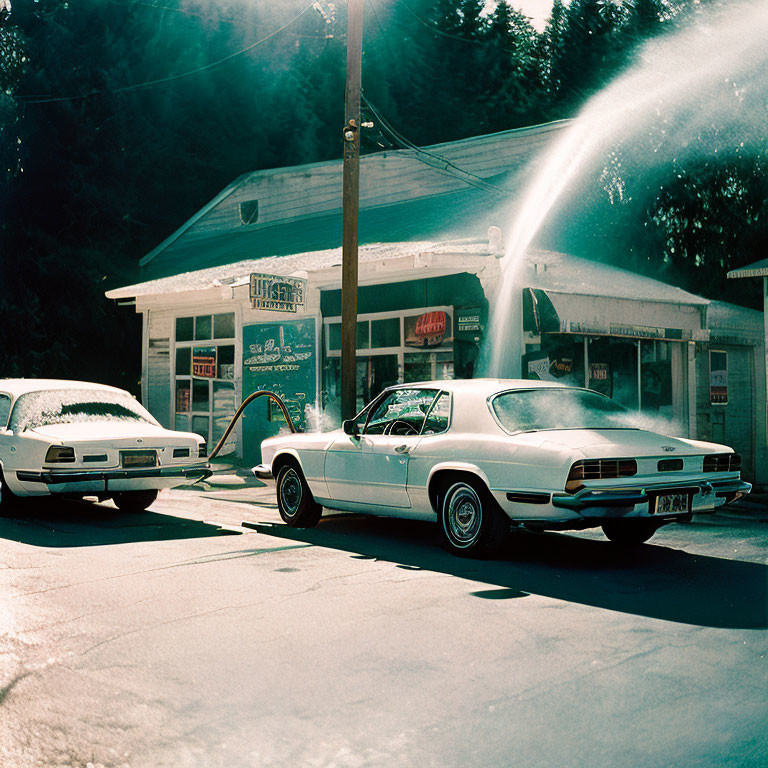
x: 470, y: 521
x: 294, y: 499
x: 134, y: 501
x: 629, y: 533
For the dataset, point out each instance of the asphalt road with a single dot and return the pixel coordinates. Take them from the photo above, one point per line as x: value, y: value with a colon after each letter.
x: 179, y: 638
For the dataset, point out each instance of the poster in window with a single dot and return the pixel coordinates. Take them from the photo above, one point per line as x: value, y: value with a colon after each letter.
x: 182, y: 397
x: 204, y: 362
x: 560, y: 367
x: 718, y: 378
x: 600, y: 378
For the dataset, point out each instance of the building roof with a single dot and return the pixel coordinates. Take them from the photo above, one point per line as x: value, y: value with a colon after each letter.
x: 730, y: 323
x: 758, y: 269
x: 560, y: 273
x: 551, y: 271
x: 312, y: 261
x: 439, y: 192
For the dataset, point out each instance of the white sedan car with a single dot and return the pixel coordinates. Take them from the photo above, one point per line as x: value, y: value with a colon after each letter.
x: 479, y: 456
x: 81, y: 439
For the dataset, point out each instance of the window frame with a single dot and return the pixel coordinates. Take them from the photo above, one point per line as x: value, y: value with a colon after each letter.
x: 233, y: 341
x: 400, y: 350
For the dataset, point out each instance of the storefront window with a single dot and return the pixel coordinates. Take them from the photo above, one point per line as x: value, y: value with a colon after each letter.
x: 205, y: 373
x: 385, y: 333
x: 427, y: 366
x: 395, y: 348
x: 635, y: 373
x: 656, y: 378
x: 613, y: 369
x: 559, y: 358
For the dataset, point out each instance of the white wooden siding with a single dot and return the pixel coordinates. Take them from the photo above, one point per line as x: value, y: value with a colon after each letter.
x: 158, y: 376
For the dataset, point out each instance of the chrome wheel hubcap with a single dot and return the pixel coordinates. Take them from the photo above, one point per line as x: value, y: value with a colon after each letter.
x: 290, y: 492
x: 464, y: 514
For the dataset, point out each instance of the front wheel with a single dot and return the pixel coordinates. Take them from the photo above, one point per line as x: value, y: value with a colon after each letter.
x: 134, y: 501
x: 629, y: 533
x: 294, y: 499
x: 9, y: 501
x: 470, y: 522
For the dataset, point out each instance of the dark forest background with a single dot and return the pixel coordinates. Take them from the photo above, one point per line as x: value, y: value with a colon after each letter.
x: 107, y: 145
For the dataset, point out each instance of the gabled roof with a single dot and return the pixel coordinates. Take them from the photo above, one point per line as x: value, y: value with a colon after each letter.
x: 438, y: 192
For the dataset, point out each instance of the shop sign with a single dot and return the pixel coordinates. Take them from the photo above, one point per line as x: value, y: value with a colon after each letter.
x: 427, y: 330
x: 598, y: 371
x: 279, y: 357
x: 204, y: 362
x: 468, y: 320
x: 276, y: 292
x: 638, y: 331
x: 587, y: 328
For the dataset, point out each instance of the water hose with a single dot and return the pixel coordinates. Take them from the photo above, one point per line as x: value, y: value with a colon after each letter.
x: 239, y: 413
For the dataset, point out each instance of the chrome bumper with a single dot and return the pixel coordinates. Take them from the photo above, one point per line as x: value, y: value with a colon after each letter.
x: 47, y: 477
x: 589, y: 499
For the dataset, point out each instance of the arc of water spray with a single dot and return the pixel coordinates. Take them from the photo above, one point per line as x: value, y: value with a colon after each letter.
x: 669, y: 70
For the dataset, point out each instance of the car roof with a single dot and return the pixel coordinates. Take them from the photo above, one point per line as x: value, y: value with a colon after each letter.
x: 484, y: 387
x: 16, y: 387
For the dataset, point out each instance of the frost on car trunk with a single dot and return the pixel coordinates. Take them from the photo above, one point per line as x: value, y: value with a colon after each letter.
x: 67, y: 406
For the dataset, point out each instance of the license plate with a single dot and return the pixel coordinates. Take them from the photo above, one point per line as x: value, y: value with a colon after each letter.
x: 672, y: 504
x: 138, y: 458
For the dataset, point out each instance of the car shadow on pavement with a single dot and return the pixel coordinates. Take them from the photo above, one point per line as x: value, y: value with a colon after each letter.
x: 52, y: 522
x: 651, y: 580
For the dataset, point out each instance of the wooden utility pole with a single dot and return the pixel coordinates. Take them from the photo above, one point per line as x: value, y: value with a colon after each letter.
x: 351, y: 204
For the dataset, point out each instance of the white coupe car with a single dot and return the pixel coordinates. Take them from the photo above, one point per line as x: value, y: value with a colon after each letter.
x: 480, y: 456
x: 80, y: 439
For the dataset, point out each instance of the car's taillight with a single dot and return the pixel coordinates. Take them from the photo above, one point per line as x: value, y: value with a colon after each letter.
x: 722, y: 462
x: 598, y: 469
x: 60, y: 454
x: 202, y: 450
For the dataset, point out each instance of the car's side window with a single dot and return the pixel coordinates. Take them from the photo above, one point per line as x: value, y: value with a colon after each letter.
x: 439, y: 416
x: 401, y: 412
x: 5, y: 409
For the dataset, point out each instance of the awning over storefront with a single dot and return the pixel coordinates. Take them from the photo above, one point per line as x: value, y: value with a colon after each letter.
x: 568, y: 295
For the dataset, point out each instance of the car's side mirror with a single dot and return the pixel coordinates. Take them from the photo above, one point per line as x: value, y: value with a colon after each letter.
x: 350, y: 427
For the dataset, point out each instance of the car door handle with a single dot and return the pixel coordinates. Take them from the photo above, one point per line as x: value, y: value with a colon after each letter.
x: 402, y: 449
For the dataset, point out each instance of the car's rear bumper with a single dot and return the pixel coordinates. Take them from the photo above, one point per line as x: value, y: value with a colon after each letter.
x: 104, y: 481
x: 705, y: 496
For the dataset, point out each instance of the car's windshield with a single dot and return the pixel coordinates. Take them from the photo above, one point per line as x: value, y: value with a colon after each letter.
x: 65, y: 406
x: 557, y: 408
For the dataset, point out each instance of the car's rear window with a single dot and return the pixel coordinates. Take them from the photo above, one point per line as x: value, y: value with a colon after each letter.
x: 556, y: 408
x: 66, y: 406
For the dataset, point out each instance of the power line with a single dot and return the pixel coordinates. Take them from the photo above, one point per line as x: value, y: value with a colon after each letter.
x: 170, y: 78
x: 443, y: 163
x: 437, y: 30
